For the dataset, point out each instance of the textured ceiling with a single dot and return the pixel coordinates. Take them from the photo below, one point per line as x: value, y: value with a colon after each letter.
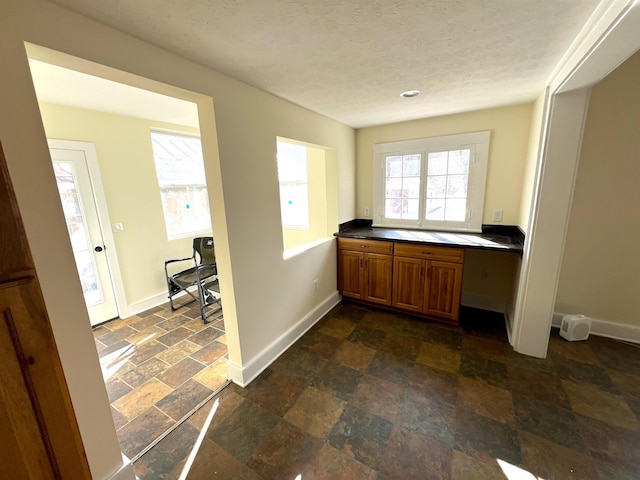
x: 349, y: 59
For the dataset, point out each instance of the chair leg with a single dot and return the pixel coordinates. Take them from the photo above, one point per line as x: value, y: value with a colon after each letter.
x: 207, y: 298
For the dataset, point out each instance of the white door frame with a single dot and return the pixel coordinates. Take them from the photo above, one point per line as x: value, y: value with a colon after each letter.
x: 103, y: 216
x: 612, y: 35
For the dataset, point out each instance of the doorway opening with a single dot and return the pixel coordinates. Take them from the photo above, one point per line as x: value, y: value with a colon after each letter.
x: 158, y: 365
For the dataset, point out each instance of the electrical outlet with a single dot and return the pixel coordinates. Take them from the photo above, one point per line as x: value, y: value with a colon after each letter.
x: 497, y: 215
x: 315, y: 285
x: 367, y: 212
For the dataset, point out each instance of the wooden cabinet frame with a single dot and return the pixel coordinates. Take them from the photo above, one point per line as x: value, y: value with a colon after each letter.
x: 424, y: 280
x: 365, y: 270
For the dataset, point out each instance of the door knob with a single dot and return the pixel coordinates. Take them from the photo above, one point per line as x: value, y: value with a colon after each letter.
x: 98, y: 248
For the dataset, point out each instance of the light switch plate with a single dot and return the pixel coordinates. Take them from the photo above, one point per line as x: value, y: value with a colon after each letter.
x: 117, y: 227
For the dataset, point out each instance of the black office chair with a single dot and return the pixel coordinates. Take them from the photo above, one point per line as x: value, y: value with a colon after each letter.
x: 203, y: 276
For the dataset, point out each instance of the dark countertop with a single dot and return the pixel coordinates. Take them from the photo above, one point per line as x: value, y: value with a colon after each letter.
x: 491, y: 239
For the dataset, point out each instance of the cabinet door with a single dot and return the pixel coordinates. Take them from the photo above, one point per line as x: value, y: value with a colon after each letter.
x: 377, y: 283
x: 408, y: 283
x: 350, y: 273
x: 442, y: 293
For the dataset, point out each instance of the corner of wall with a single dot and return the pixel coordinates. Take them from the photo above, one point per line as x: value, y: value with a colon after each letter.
x: 244, y: 374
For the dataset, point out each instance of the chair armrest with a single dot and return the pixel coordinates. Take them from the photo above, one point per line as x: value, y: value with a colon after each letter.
x: 167, y: 262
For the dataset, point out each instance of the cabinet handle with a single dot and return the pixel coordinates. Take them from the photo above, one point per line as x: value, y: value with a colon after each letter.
x: 364, y: 246
x: 361, y: 263
x: 428, y: 272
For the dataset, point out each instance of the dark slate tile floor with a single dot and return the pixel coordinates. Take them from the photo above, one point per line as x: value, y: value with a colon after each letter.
x: 369, y: 394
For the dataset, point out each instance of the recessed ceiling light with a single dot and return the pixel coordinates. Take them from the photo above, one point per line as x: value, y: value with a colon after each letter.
x: 410, y: 93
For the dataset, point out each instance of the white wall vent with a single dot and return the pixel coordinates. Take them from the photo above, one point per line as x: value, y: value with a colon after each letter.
x: 575, y: 327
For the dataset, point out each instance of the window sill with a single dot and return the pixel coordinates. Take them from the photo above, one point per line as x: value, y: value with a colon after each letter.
x: 293, y: 252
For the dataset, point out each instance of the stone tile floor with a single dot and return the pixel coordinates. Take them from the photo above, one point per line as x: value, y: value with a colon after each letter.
x: 368, y: 394
x: 158, y: 366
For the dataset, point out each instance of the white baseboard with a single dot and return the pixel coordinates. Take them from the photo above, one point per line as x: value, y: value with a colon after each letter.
x: 483, y: 302
x: 603, y: 328
x: 125, y: 471
x: 146, y: 304
x: 243, y: 374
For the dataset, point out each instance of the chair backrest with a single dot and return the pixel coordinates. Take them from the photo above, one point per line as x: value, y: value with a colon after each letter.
x: 206, y: 250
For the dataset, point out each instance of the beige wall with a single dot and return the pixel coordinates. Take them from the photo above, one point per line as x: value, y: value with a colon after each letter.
x: 600, y: 269
x: 488, y: 278
x: 529, y: 177
x: 510, y: 128
x: 265, y: 295
x: 127, y: 168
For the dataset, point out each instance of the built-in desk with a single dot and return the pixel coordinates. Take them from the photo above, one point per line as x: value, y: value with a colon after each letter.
x: 413, y: 271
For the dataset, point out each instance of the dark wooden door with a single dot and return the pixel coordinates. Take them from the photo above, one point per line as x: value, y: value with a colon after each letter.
x: 38, y: 432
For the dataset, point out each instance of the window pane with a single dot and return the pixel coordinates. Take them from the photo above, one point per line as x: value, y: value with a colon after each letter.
x: 394, y: 166
x: 178, y: 159
x: 456, y: 210
x: 457, y: 186
x: 393, y: 208
x: 294, y: 205
x: 411, y: 166
x: 458, y: 162
x: 437, y: 163
x: 292, y: 162
x: 394, y: 188
x: 411, y: 187
x: 78, y: 233
x: 186, y: 209
x: 435, y: 209
x: 410, y: 208
x: 88, y: 279
x: 293, y: 182
x: 183, y: 189
x: 436, y: 186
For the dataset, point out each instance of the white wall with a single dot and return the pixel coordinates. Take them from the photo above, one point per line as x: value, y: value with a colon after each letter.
x: 601, y: 266
x: 265, y: 295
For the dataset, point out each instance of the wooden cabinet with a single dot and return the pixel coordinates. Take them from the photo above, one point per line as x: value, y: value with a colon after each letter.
x: 365, y: 270
x: 428, y: 280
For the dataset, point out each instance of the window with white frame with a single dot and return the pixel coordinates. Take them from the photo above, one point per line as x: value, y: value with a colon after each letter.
x: 431, y: 183
x: 294, y: 185
x: 183, y: 188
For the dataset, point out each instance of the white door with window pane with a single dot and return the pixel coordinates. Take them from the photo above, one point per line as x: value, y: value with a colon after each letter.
x: 83, y: 225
